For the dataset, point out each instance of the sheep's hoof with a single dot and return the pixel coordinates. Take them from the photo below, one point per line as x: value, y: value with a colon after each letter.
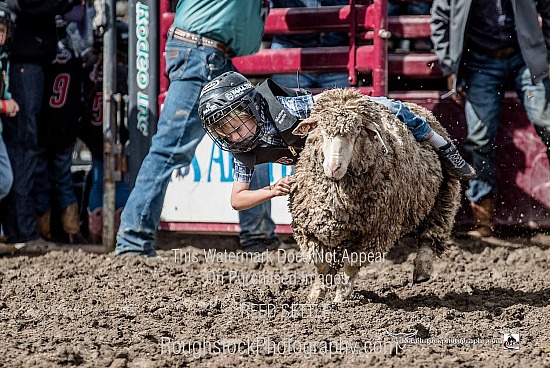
x: 420, y: 276
x: 423, y: 265
x: 316, y: 294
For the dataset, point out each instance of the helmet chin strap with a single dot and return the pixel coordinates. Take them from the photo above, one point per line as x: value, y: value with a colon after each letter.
x: 258, y: 115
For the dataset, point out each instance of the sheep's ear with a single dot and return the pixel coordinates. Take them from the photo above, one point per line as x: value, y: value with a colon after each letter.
x: 374, y: 128
x: 305, y: 126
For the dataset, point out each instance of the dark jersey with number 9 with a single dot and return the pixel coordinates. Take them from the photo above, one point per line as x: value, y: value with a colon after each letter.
x: 62, y: 101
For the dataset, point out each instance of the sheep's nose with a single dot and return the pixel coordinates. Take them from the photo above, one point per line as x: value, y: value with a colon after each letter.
x: 332, y: 171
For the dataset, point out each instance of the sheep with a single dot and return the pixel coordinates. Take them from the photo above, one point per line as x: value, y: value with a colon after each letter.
x: 361, y: 183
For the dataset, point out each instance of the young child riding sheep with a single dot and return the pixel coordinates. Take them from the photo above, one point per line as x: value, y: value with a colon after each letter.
x: 256, y: 124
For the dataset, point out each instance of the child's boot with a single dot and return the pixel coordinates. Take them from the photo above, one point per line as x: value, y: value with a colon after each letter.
x: 454, y: 164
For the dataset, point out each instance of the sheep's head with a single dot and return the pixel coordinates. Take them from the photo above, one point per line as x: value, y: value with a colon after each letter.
x: 339, y: 114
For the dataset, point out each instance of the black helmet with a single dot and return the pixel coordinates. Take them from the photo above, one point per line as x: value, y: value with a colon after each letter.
x: 7, y: 17
x: 223, y: 103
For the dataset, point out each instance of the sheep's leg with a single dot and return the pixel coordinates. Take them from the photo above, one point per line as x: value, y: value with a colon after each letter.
x: 423, y: 264
x: 344, y: 289
x: 319, y: 288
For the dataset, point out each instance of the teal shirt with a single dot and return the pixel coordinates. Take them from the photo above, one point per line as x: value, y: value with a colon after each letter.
x: 239, y: 24
x: 7, y: 94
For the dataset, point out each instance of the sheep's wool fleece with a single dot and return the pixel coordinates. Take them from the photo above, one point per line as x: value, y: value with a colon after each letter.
x: 383, y: 196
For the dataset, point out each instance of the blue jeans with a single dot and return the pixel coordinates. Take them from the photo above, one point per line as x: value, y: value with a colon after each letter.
x: 20, y: 136
x: 256, y: 223
x: 53, y: 182
x: 418, y: 125
x: 6, y: 175
x: 179, y: 131
x: 96, y: 189
x: 485, y: 80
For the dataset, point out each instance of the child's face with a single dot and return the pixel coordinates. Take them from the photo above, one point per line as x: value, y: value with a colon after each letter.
x: 241, y: 130
x: 3, y: 33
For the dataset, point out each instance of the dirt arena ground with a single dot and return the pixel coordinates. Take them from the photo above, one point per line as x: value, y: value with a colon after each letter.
x: 180, y: 309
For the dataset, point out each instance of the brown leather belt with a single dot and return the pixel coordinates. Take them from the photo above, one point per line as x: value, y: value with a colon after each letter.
x: 503, y: 53
x: 199, y: 40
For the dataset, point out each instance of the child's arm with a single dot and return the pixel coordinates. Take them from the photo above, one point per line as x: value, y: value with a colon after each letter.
x: 242, y: 198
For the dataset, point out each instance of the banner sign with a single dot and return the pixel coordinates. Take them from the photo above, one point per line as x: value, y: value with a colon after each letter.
x: 201, y: 191
x: 143, y: 81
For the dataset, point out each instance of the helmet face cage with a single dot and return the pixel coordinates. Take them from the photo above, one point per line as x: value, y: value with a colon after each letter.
x: 236, y: 127
x: 7, y: 19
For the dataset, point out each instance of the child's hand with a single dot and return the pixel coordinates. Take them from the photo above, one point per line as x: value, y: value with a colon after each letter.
x: 10, y: 107
x: 281, y: 187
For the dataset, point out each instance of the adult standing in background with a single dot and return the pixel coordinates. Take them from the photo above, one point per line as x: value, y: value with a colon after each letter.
x: 53, y: 190
x: 90, y: 128
x: 483, y: 46
x: 8, y: 106
x: 34, y: 45
x: 202, y: 40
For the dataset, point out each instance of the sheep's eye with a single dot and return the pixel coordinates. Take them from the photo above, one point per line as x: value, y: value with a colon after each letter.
x: 358, y: 129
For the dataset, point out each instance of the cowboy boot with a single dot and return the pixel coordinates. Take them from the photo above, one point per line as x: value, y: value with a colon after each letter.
x: 71, y: 223
x: 43, y: 225
x: 482, y: 216
x: 95, y: 226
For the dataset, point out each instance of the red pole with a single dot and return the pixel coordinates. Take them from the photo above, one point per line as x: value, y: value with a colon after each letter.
x: 380, y: 65
x: 352, y: 44
x: 165, y: 22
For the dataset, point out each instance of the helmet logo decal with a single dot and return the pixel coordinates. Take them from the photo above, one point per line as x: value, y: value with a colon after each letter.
x: 237, y: 91
x: 209, y: 86
x: 284, y: 161
x: 209, y: 107
x: 280, y: 117
x: 63, y: 56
